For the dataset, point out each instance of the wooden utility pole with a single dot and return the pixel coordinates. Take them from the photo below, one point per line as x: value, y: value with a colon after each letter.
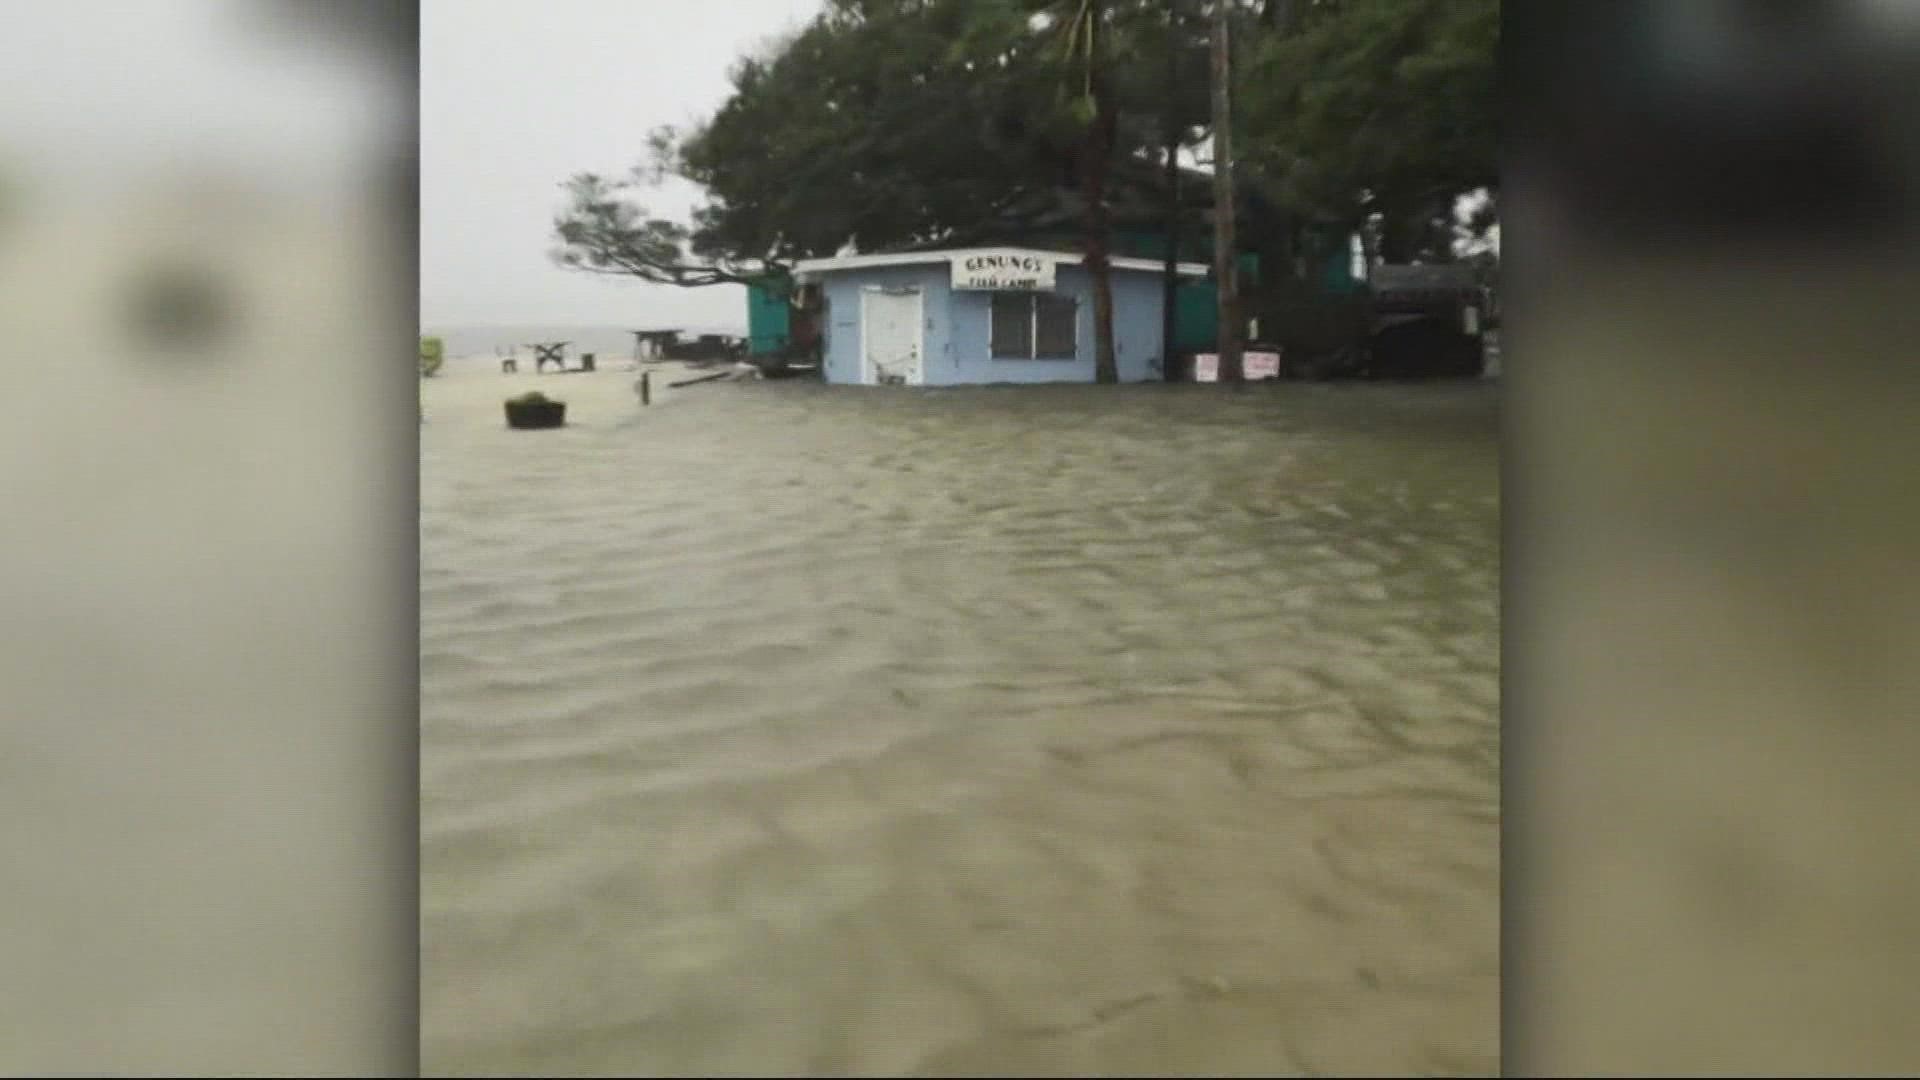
x: 1170, y: 282
x: 1225, y: 269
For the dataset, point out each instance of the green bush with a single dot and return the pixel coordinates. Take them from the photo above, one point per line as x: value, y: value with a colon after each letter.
x: 432, y: 355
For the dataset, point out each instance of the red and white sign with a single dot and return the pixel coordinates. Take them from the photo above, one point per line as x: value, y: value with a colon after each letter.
x: 1261, y: 365
x: 1253, y: 365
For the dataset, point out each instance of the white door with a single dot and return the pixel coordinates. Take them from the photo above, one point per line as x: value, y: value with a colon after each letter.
x: 890, y: 336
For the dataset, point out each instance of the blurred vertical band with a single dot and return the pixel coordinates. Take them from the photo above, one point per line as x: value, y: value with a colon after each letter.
x: 1712, y: 521
x: 208, y: 572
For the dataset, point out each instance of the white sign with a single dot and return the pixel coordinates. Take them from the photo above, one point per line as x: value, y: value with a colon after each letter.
x: 1261, y: 365
x: 1206, y: 367
x: 1003, y: 272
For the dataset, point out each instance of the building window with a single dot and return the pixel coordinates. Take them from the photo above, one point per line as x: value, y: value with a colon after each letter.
x: 1012, y: 326
x: 1035, y: 326
x: 1055, y: 326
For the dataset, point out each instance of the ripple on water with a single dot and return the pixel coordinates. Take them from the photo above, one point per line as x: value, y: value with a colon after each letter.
x: 804, y: 729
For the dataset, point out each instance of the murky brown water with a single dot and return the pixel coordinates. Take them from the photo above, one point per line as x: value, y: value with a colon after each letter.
x: 794, y: 729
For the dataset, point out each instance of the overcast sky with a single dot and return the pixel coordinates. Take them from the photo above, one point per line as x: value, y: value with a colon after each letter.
x: 514, y: 97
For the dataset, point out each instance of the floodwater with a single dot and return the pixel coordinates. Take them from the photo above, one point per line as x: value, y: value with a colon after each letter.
x: 789, y: 729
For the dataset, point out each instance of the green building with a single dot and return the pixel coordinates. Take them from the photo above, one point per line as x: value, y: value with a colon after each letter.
x: 1197, y: 303
x: 769, y: 320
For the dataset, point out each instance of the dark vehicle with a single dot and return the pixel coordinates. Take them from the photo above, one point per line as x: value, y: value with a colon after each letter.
x: 1411, y: 322
x: 669, y: 345
x: 1427, y: 322
x: 707, y: 347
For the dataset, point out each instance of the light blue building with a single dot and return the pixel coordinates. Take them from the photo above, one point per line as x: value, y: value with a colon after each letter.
x: 982, y: 315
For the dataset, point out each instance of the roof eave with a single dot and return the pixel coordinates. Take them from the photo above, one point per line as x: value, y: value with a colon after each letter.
x: 809, y: 268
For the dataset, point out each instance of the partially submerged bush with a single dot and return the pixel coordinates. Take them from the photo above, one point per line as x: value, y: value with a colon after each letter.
x: 535, y: 410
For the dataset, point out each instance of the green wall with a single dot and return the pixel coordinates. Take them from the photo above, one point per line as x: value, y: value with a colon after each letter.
x: 768, y: 320
x: 1196, y: 307
x: 1337, y: 267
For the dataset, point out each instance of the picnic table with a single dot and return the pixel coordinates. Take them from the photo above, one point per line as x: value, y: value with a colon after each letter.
x: 545, y: 352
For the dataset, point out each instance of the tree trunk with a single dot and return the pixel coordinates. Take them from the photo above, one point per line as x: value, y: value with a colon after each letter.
x: 1393, y: 243
x: 1400, y: 230
x: 1170, y: 281
x: 1226, y: 272
x: 1268, y: 232
x: 1106, y: 368
x: 1097, y: 147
